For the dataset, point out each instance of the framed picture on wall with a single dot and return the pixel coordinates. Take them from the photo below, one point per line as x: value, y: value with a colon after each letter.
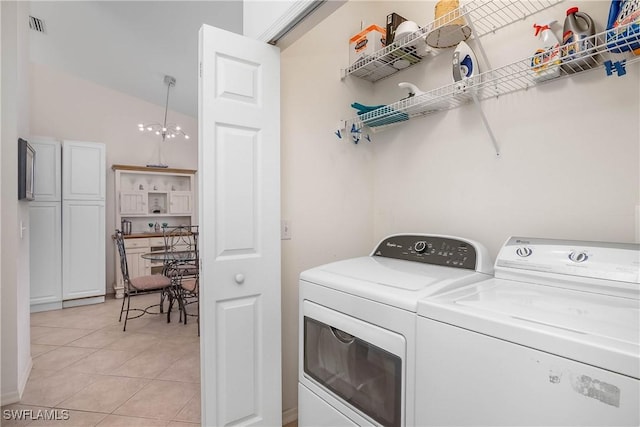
x: 26, y: 170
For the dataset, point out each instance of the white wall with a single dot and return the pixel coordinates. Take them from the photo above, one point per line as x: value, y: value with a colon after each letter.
x: 326, y: 182
x: 569, y: 152
x: 14, y: 250
x: 569, y: 166
x: 66, y: 107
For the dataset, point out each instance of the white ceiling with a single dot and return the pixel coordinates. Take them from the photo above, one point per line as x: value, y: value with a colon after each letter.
x: 130, y: 46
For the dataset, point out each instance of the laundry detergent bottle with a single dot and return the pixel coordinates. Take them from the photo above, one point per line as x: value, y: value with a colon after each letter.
x: 623, y: 27
x: 578, y: 41
x: 546, y: 60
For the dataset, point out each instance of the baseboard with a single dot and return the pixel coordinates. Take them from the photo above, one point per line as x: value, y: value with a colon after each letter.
x: 16, y: 395
x: 25, y: 377
x: 82, y: 301
x: 289, y: 416
x: 9, y: 398
x: 36, y: 308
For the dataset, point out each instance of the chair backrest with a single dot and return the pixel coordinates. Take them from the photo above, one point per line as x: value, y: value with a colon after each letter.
x: 123, y: 258
x: 180, y: 239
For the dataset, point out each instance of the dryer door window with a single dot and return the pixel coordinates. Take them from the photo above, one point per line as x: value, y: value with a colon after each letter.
x: 366, y: 376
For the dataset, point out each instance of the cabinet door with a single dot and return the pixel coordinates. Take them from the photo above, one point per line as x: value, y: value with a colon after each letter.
x: 133, y: 203
x: 180, y: 202
x: 83, y: 177
x: 48, y: 176
x: 83, y: 249
x: 45, y: 246
x: 138, y: 266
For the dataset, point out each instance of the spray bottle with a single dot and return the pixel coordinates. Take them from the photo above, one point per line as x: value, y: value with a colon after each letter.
x: 546, y: 60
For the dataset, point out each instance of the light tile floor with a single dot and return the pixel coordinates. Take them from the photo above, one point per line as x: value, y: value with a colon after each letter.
x: 84, y: 363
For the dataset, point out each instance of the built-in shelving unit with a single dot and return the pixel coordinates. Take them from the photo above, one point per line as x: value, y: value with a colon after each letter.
x: 150, y: 198
x: 482, y: 16
x: 147, y: 195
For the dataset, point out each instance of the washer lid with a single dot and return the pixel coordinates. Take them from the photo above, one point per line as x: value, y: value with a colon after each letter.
x: 390, y: 281
x: 601, y: 330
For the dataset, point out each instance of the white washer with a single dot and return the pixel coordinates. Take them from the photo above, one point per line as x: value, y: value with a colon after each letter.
x: 553, y: 339
x: 358, y: 324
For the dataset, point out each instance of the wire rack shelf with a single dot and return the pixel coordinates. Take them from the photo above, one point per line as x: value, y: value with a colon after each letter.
x: 606, y: 51
x: 484, y: 17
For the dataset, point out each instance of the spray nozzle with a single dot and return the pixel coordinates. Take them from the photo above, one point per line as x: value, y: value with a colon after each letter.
x: 546, y: 25
x: 540, y: 28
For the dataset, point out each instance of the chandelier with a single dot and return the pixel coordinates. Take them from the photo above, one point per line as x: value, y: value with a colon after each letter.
x: 166, y: 130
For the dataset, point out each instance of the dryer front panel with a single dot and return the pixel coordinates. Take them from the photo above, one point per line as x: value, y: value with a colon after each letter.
x: 358, y: 363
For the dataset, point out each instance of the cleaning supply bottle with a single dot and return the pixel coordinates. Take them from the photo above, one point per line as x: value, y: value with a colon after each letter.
x: 623, y: 26
x: 546, y: 60
x: 578, y: 41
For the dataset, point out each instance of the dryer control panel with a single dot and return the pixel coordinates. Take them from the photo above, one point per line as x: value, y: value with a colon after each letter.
x: 429, y: 249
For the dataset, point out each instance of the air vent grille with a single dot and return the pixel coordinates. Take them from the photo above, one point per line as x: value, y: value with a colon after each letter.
x: 36, y: 24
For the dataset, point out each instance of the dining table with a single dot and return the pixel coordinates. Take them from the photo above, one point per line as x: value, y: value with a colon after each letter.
x: 169, y: 257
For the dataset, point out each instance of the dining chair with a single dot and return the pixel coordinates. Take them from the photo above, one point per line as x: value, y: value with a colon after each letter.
x: 187, y: 293
x: 142, y: 285
x: 181, y: 247
x: 182, y: 267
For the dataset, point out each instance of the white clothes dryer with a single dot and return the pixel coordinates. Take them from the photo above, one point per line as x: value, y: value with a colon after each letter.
x: 553, y: 339
x: 358, y: 325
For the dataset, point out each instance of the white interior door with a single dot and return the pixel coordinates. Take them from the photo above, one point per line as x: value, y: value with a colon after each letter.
x: 239, y: 188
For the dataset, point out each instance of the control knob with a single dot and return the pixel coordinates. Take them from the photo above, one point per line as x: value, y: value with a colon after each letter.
x: 578, y: 256
x: 524, y: 251
x: 420, y: 246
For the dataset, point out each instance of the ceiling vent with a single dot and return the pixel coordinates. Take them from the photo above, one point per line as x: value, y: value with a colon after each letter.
x: 36, y: 24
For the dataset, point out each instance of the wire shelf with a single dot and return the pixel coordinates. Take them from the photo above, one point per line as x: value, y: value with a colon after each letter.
x: 484, y: 16
x: 594, y: 53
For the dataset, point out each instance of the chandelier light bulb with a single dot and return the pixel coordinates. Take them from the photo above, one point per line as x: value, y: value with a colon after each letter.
x: 164, y: 129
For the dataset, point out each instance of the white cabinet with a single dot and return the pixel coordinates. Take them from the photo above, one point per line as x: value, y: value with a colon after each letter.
x: 45, y: 224
x: 83, y: 176
x: 67, y: 225
x: 83, y: 249
x: 180, y: 202
x: 138, y: 266
x: 147, y: 196
x: 154, y: 195
x: 45, y: 236
x: 47, y: 182
x: 133, y: 202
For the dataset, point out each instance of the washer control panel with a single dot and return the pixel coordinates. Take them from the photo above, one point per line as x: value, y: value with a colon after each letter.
x: 571, y: 258
x: 437, y: 250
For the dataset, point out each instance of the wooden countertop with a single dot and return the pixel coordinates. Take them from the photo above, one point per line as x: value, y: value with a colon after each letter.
x: 152, y: 169
x: 140, y: 235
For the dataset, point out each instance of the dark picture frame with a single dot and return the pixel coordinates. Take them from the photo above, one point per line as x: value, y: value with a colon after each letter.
x: 26, y: 170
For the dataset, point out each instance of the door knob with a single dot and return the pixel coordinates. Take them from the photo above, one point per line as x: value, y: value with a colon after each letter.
x: 239, y: 278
